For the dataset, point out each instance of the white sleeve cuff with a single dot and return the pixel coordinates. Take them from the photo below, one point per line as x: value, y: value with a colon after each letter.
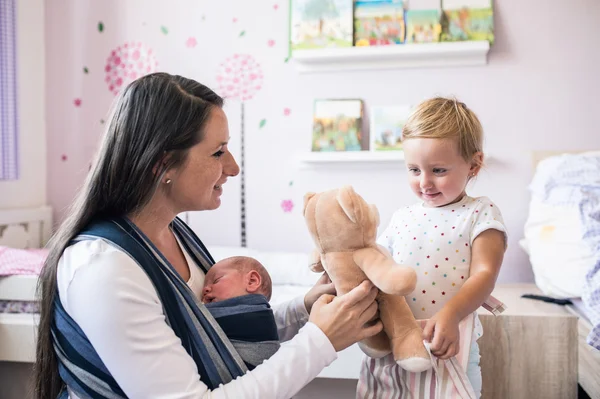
x: 300, y: 309
x: 290, y: 317
x: 488, y: 225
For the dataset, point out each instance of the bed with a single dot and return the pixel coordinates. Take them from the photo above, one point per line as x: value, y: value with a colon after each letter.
x: 21, y: 229
x: 589, y: 357
x: 552, y: 241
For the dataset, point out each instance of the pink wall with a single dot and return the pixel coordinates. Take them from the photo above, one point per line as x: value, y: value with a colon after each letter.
x: 539, y: 92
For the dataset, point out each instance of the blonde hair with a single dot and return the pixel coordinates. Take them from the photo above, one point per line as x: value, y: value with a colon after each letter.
x: 446, y: 118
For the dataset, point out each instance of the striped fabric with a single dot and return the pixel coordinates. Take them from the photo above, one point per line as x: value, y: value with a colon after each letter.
x: 494, y: 306
x: 8, y: 92
x: 217, y: 360
x: 249, y: 323
x: 447, y: 379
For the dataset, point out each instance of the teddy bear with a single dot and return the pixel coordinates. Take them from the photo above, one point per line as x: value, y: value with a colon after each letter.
x: 344, y: 228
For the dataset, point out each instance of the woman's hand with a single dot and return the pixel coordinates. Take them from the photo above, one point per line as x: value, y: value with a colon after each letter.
x: 443, y: 328
x: 322, y: 286
x: 344, y: 319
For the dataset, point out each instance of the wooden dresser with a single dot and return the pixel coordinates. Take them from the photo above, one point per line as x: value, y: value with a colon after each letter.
x: 530, y: 350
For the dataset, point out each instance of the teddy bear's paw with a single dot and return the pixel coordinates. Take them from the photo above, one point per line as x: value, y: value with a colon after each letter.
x: 373, y: 353
x: 415, y: 364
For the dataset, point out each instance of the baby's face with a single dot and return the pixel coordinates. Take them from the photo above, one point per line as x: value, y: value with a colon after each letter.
x: 223, y: 282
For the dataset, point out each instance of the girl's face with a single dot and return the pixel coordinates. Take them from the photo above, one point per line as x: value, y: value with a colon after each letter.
x: 437, y: 173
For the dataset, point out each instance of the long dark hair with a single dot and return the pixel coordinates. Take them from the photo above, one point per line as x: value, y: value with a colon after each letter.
x: 155, y: 115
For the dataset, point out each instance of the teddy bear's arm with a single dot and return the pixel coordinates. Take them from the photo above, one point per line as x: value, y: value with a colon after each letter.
x: 386, y: 274
x: 315, y: 263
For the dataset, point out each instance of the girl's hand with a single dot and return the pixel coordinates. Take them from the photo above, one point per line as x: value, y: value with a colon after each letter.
x: 322, y: 286
x: 443, y: 328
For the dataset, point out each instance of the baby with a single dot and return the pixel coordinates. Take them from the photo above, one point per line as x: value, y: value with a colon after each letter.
x: 234, y: 277
x: 246, y: 319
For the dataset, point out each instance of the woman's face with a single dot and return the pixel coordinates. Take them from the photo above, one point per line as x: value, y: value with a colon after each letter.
x: 198, y: 184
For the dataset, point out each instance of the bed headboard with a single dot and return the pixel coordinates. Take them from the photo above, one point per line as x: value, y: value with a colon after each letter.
x: 539, y: 156
x: 25, y: 227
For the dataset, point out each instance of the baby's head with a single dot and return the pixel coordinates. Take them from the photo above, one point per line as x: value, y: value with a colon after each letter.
x: 443, y: 149
x: 236, y: 276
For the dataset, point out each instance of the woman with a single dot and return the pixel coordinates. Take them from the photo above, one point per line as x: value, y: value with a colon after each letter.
x: 120, y: 315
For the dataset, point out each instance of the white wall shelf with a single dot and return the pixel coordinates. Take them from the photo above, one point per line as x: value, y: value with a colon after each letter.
x: 345, y: 158
x: 445, y: 54
x: 353, y: 159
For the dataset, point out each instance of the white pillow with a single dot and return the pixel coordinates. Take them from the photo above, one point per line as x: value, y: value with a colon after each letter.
x: 219, y: 253
x: 554, y: 241
x: 289, y: 268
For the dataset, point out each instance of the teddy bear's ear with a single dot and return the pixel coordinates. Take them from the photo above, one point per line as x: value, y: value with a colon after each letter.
x: 307, y: 198
x: 345, y: 197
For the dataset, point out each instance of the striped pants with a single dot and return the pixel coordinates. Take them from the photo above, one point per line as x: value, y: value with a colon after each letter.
x: 447, y: 379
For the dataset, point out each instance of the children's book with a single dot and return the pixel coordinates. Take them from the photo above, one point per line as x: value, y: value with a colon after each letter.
x: 321, y: 23
x: 386, y: 127
x: 423, y: 26
x: 458, y: 4
x: 378, y: 22
x: 337, y: 125
x: 468, y: 20
x: 482, y: 24
x: 423, y: 4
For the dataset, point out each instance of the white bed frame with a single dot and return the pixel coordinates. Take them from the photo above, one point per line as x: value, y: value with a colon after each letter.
x: 21, y: 228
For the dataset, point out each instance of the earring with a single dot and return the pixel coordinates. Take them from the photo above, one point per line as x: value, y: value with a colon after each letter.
x: 168, y: 181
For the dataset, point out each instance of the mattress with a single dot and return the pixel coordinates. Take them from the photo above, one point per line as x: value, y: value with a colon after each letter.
x: 18, y: 278
x: 17, y: 294
x: 18, y: 288
x: 18, y: 318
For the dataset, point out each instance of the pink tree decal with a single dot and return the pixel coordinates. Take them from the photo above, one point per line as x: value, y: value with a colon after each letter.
x: 287, y: 205
x: 127, y: 63
x: 240, y: 77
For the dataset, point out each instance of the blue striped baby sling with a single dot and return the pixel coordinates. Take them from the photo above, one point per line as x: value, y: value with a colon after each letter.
x: 250, y: 326
x: 216, y: 357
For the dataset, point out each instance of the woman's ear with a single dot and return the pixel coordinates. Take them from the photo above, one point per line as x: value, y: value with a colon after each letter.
x: 476, y: 163
x: 161, y: 166
x: 253, y: 281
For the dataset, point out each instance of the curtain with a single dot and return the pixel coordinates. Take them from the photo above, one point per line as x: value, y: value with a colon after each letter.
x: 8, y: 92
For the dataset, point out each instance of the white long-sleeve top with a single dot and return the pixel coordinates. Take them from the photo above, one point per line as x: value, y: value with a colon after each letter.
x: 114, y: 302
